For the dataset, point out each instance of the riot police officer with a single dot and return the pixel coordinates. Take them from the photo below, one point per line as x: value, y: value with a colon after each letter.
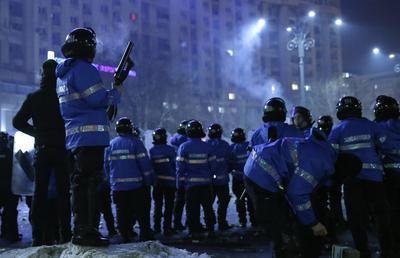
x: 221, y: 175
x: 237, y: 159
x: 50, y: 153
x: 83, y: 102
x: 130, y: 173
x: 177, y: 139
x: 274, y: 115
x: 387, y: 115
x: 361, y: 137
x: 325, y: 124
x: 302, y: 119
x: 290, y: 169
x: 163, y: 158
x: 195, y: 162
x: 8, y: 201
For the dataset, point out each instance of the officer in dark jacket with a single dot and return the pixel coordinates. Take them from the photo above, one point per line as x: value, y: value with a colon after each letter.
x: 8, y: 201
x: 130, y: 172
x: 83, y: 102
x: 363, y: 138
x: 274, y: 115
x: 163, y: 159
x: 387, y: 115
x: 48, y: 129
x: 177, y: 139
x: 302, y: 119
x: 221, y: 175
x: 195, y: 162
x: 237, y: 159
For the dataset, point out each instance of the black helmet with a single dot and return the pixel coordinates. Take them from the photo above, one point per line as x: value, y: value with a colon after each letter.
x: 136, y: 131
x: 194, y: 129
x: 305, y: 112
x: 347, y: 107
x: 49, y: 78
x: 80, y: 43
x: 386, y: 108
x: 182, y: 127
x: 325, y: 124
x: 124, y: 126
x: 238, y: 135
x: 274, y: 110
x: 215, y: 131
x: 160, y: 136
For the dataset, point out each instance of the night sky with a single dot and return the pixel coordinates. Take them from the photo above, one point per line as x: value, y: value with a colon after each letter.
x: 370, y: 23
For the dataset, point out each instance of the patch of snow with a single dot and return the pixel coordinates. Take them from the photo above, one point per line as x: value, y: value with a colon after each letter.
x: 149, y: 249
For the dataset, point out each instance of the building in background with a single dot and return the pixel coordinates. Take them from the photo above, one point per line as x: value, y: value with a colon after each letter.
x: 193, y: 58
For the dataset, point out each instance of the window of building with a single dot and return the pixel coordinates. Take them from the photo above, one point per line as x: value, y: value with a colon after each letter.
x: 55, y: 2
x: 162, y: 13
x: 16, y: 51
x: 16, y: 26
x: 163, y: 45
x: 42, y: 11
x: 56, y: 38
x: 116, y: 16
x: 104, y: 10
x: 86, y: 9
x: 74, y: 20
x: 16, y: 9
x: 116, y: 2
x: 74, y: 2
x: 55, y: 19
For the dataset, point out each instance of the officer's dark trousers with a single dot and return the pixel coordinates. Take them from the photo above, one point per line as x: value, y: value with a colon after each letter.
x: 133, y: 204
x: 392, y: 185
x: 270, y: 213
x: 88, y: 164
x: 197, y: 196
x: 222, y: 192
x: 9, y: 224
x: 48, y: 160
x: 163, y: 195
x: 238, y: 188
x: 360, y: 197
x: 104, y: 196
x: 179, y: 205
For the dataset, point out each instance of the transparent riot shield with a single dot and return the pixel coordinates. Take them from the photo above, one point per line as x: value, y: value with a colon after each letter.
x: 23, y: 173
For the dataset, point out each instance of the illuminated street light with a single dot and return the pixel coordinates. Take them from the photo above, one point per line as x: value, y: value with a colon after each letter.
x: 295, y: 86
x: 230, y: 52
x: 392, y: 56
x: 261, y: 23
x: 51, y: 54
x: 338, y: 22
x: 376, y: 51
x: 289, y: 29
x: 231, y: 96
x: 312, y: 14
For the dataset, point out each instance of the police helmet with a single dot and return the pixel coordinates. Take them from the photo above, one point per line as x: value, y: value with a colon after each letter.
x: 238, y: 135
x: 124, y: 126
x: 325, y: 124
x: 182, y: 127
x: 386, y: 108
x: 347, y: 107
x: 80, y: 43
x: 160, y: 136
x: 274, y: 110
x: 305, y: 112
x: 194, y: 129
x: 215, y: 131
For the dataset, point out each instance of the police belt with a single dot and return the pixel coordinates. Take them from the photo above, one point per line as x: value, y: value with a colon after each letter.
x: 87, y: 129
x: 127, y: 179
x: 371, y: 166
x: 166, y: 178
x: 392, y: 165
x: 199, y: 180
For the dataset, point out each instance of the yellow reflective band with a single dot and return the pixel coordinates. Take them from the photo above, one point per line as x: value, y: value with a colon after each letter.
x: 196, y: 161
x: 161, y: 160
x: 392, y: 165
x: 362, y: 137
x: 304, y: 206
x: 76, y: 95
x: 356, y: 146
x: 166, y: 178
x: 306, y: 176
x: 127, y: 179
x: 87, y: 129
x: 371, y: 166
x: 198, y: 180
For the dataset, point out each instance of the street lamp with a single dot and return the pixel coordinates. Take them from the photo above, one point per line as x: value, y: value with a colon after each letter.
x: 376, y: 51
x: 338, y: 22
x: 302, y: 41
x: 312, y: 14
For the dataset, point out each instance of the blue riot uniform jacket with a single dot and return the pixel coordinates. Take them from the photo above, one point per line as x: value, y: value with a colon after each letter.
x: 195, y: 162
x: 293, y: 165
x: 363, y: 138
x: 163, y: 159
x: 83, y: 102
x: 260, y: 136
x: 127, y: 163
x: 391, y: 147
x: 237, y: 158
x: 177, y: 139
x: 221, y: 150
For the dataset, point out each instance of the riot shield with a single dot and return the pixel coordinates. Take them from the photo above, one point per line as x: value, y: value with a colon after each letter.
x: 23, y: 173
